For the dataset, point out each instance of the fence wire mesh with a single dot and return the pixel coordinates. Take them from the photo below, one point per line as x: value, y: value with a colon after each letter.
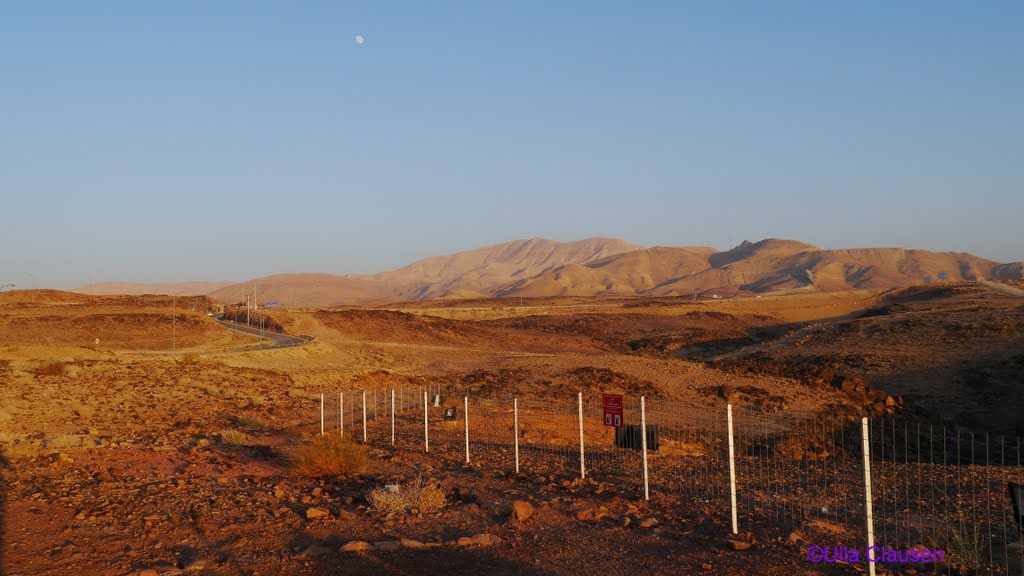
x: 932, y: 486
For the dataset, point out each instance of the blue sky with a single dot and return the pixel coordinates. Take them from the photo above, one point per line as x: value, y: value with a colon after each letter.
x: 158, y: 141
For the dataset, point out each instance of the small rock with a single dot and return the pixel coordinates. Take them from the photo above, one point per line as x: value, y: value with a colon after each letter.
x: 409, y: 543
x: 387, y: 545
x: 464, y: 541
x: 738, y: 544
x: 147, y: 572
x: 315, y: 550
x: 521, y: 510
x: 485, y: 540
x: 198, y: 564
x: 795, y: 537
x: 347, y: 515
x: 649, y: 522
x: 61, y: 458
x: 584, y: 515
x: 356, y: 546
x: 706, y: 566
x: 105, y: 477
x: 317, y: 512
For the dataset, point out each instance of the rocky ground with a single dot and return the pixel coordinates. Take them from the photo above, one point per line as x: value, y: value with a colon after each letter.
x: 127, y: 458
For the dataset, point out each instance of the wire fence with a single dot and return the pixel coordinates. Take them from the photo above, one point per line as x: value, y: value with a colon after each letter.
x: 885, y: 482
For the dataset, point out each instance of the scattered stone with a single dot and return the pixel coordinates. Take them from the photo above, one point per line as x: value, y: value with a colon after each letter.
x: 61, y: 458
x: 706, y: 566
x: 198, y: 564
x: 485, y: 540
x: 356, y: 546
x: 521, y: 510
x: 315, y: 550
x: 147, y: 572
x: 738, y: 544
x: 387, y: 545
x: 317, y: 512
x: 584, y: 515
x: 105, y: 477
x: 409, y: 543
x: 649, y: 522
x: 795, y: 537
x: 347, y: 515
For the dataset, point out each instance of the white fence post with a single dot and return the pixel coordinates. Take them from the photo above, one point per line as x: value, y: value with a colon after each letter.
x: 732, y: 470
x: 364, y: 416
x: 321, y: 414
x: 426, y: 422
x: 869, y: 519
x: 392, y: 416
x: 583, y: 468
x: 643, y: 444
x: 465, y: 404
x: 515, y: 428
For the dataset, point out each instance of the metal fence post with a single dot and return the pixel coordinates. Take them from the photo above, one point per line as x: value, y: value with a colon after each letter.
x: 643, y: 444
x: 868, y: 518
x: 341, y: 412
x: 515, y: 428
x: 364, y: 416
x: 465, y: 404
x: 392, y: 416
x: 732, y: 470
x: 426, y: 421
x: 321, y: 414
x: 583, y: 468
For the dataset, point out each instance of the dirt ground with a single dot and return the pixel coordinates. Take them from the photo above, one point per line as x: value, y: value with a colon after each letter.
x: 114, y: 461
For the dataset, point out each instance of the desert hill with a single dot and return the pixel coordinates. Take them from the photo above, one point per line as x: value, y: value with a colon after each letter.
x: 138, y: 288
x: 473, y: 273
x: 770, y: 265
x: 540, y: 268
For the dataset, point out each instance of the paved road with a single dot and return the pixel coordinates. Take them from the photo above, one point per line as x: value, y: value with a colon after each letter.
x: 278, y: 340
x: 1004, y: 288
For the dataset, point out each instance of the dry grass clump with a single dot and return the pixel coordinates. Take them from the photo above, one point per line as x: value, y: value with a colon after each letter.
x: 252, y: 422
x: 56, y: 368
x: 64, y: 441
x: 233, y: 437
x: 330, y: 455
x: 422, y: 496
x: 82, y: 410
x: 22, y: 449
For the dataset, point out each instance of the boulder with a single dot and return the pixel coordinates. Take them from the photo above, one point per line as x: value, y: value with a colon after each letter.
x: 521, y: 510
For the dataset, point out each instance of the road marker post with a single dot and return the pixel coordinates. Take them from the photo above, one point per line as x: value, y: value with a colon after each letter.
x: 583, y: 468
x: 732, y: 470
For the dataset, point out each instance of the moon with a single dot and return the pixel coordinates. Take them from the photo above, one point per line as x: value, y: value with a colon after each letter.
x: 360, y: 40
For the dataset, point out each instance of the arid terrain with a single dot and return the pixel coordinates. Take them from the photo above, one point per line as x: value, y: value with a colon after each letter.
x: 169, y: 446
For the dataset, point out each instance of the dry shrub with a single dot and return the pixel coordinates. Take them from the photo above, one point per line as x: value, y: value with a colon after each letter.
x: 64, y: 441
x: 55, y: 368
x: 252, y: 422
x: 233, y: 437
x: 422, y: 496
x: 330, y: 455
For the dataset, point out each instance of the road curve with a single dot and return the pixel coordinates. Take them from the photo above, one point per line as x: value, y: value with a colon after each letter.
x: 1003, y: 288
x: 278, y: 340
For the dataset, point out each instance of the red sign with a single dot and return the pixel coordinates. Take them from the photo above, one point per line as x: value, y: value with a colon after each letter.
x: 613, y: 410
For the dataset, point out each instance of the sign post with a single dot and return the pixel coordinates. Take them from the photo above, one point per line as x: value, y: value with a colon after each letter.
x: 612, y: 404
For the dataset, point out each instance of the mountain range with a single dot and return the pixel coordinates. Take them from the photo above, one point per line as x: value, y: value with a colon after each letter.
x: 604, y: 266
